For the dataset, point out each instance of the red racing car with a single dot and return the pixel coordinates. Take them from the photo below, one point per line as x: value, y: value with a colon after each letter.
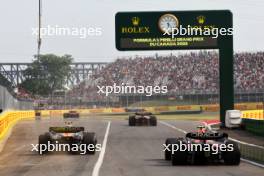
x: 202, y: 147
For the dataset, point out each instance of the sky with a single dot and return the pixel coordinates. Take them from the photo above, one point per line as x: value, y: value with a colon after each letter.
x: 19, y: 17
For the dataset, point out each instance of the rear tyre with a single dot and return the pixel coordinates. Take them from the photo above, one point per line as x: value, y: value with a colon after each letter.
x: 179, y: 157
x: 153, y: 121
x: 232, y: 157
x: 132, y: 121
x: 74, y: 148
x: 90, y: 140
x: 43, y: 140
x: 199, y: 158
x: 167, y: 153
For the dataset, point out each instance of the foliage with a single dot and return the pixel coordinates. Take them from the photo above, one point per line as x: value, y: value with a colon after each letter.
x: 46, y: 74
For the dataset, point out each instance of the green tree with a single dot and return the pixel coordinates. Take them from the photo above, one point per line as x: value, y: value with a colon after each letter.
x: 47, y: 73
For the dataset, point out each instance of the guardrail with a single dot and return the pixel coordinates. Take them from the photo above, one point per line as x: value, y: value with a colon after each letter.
x: 157, y: 109
x: 253, y: 121
x: 248, y: 151
x: 8, y: 120
x: 251, y: 151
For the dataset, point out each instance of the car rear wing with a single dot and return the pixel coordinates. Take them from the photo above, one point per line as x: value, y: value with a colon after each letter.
x: 143, y: 113
x: 207, y: 136
x: 66, y: 129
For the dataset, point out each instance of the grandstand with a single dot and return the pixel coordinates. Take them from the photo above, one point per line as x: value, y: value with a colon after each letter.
x: 191, y: 77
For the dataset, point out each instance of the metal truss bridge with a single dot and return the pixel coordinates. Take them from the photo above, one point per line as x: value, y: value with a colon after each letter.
x: 80, y: 71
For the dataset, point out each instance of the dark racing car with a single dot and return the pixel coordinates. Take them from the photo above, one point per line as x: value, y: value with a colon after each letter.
x: 202, y: 147
x: 142, y: 118
x: 71, y: 114
x: 73, y: 136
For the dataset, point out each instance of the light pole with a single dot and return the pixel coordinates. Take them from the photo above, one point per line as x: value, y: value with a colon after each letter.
x: 39, y: 27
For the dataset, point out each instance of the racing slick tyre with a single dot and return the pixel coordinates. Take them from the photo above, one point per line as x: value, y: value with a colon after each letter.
x: 232, y: 157
x: 73, y: 149
x: 167, y: 153
x: 43, y: 140
x: 153, y: 121
x: 132, y: 121
x: 199, y: 158
x: 179, y: 157
x: 88, y: 139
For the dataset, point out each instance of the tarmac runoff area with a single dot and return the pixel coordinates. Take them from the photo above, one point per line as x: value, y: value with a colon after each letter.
x: 126, y: 151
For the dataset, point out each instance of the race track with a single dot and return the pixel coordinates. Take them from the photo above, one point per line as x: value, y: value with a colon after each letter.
x: 129, y: 151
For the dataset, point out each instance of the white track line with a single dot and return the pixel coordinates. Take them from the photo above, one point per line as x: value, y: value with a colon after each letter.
x: 253, y: 163
x: 232, y: 139
x: 245, y: 160
x: 100, y: 160
x: 171, y: 126
x: 245, y: 143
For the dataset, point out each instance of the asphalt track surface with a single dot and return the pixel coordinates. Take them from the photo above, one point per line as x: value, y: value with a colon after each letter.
x: 129, y: 151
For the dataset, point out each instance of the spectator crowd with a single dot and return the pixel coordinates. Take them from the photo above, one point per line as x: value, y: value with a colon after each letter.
x: 184, y: 72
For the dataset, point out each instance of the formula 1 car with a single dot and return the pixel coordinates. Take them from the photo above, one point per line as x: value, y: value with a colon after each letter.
x: 142, y: 118
x: 201, y: 147
x: 37, y: 115
x: 74, y: 136
x: 71, y: 114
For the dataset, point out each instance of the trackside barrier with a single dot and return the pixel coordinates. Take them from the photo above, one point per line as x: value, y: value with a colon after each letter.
x: 45, y: 113
x: 238, y: 106
x: 83, y: 111
x: 253, y: 121
x: 206, y: 108
x: 254, y: 126
x: 8, y: 120
x: 253, y: 114
x: 251, y: 151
